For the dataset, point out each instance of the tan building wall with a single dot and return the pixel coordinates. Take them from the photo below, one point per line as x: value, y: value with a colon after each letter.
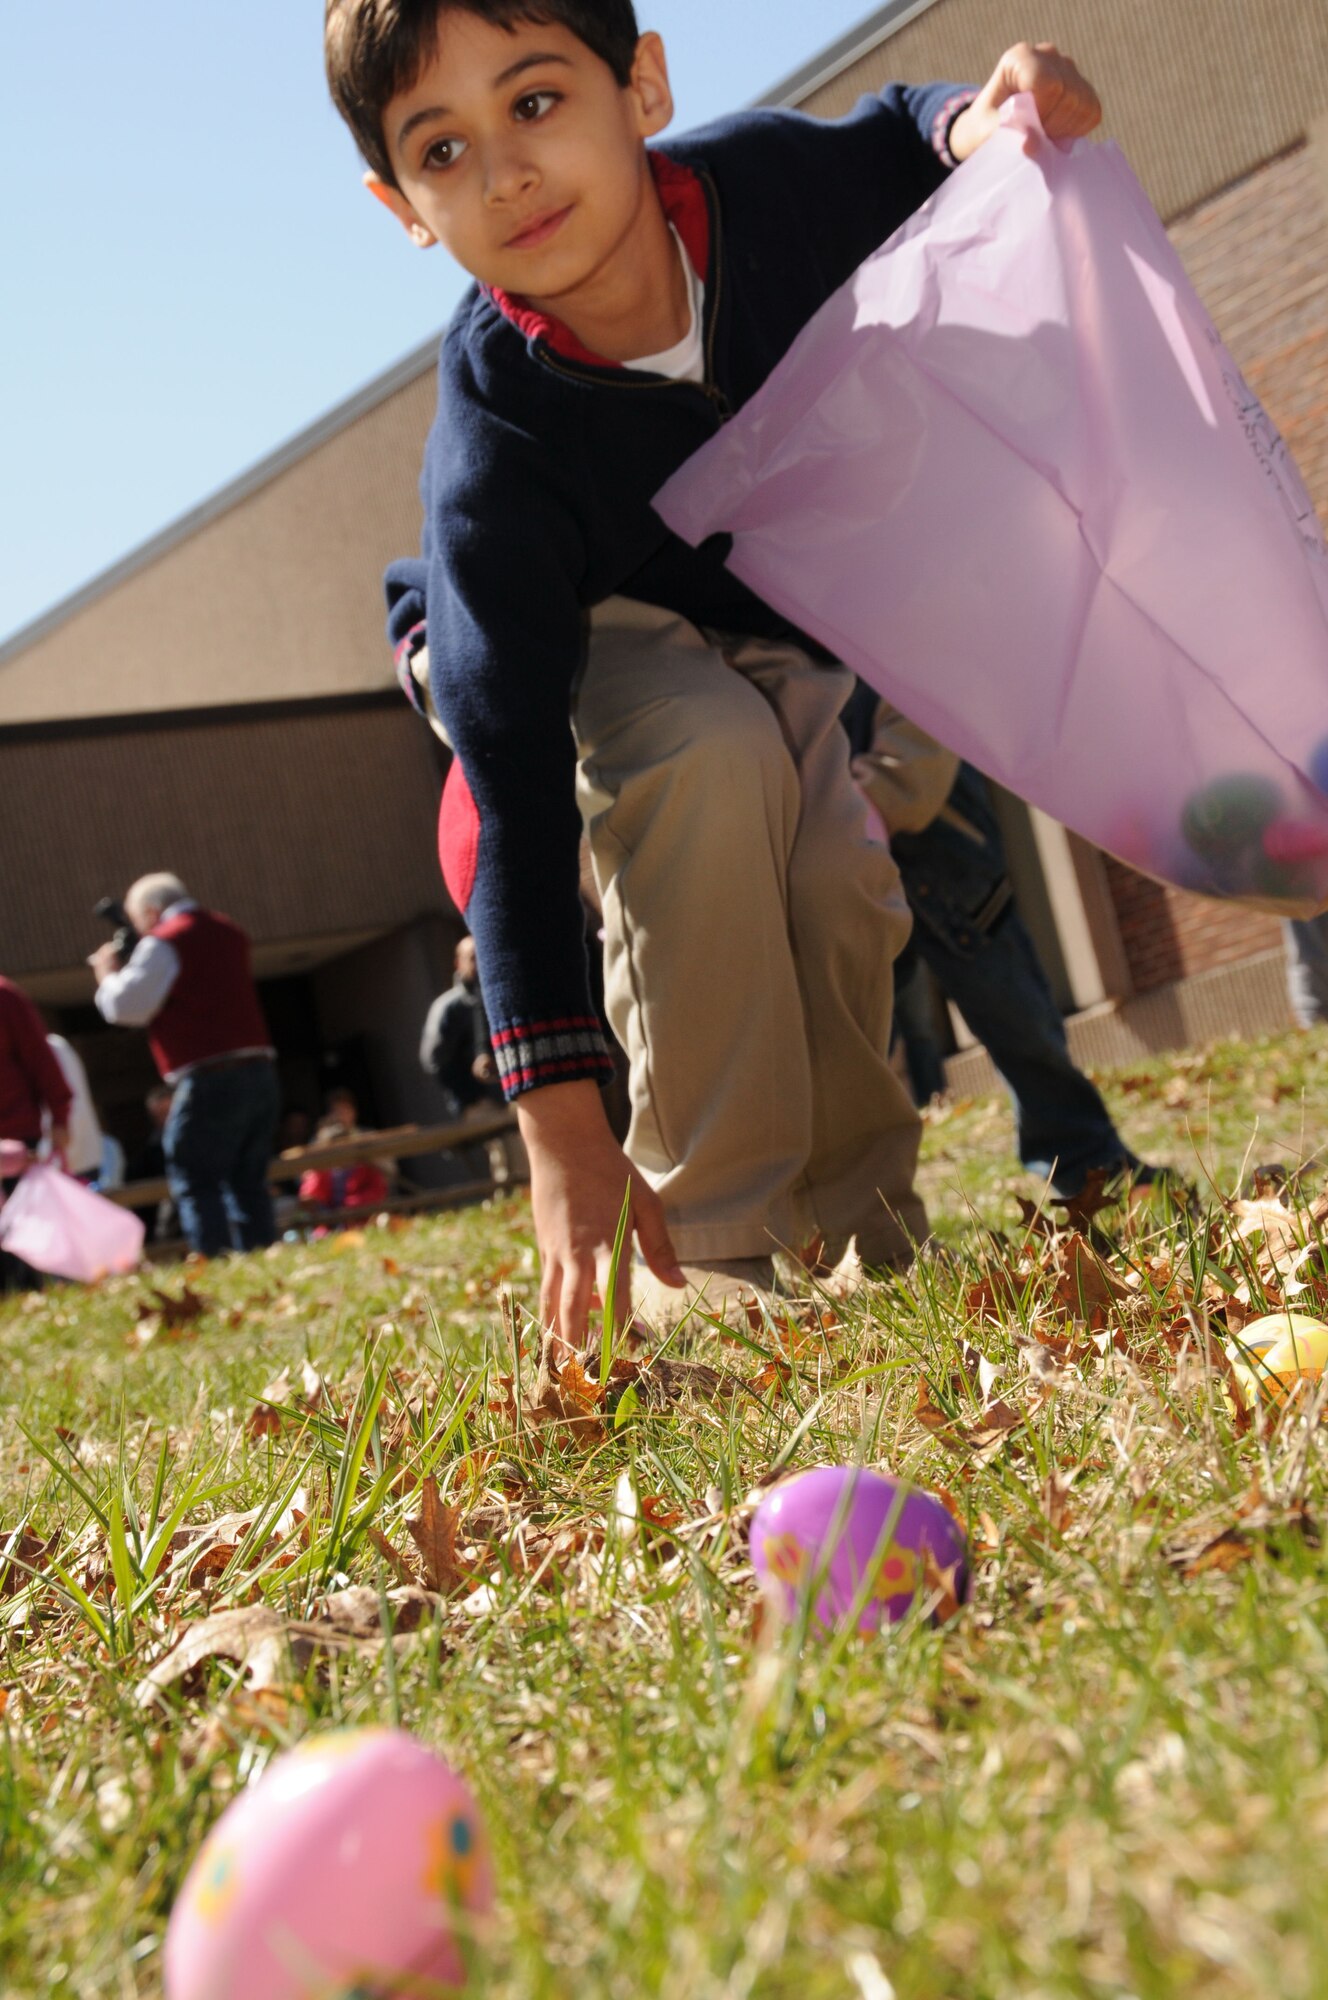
x: 1197, y: 92
x: 312, y: 829
x: 271, y: 591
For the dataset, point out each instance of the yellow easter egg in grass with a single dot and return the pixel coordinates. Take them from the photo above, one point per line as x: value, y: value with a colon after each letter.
x: 1258, y: 1335
x: 1270, y: 1352
x: 1243, y: 1390
x: 1300, y: 1356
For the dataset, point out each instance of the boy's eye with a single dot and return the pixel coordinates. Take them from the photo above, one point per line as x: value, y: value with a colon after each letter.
x: 444, y: 152
x: 535, y: 104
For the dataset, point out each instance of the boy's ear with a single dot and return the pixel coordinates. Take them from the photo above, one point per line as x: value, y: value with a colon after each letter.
x: 395, y: 202
x: 649, y: 85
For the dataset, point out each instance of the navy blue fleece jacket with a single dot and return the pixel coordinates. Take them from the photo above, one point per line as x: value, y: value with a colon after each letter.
x: 537, y: 483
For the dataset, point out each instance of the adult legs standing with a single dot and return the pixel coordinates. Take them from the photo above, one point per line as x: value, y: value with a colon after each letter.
x: 255, y: 1109
x: 218, y: 1143
x: 1064, y: 1129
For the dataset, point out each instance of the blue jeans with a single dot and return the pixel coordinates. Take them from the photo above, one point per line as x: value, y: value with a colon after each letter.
x: 1065, y: 1130
x: 218, y: 1144
x: 1307, y: 969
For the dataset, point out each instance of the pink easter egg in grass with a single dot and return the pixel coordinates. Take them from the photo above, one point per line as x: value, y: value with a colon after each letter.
x: 356, y: 1860
x: 855, y: 1537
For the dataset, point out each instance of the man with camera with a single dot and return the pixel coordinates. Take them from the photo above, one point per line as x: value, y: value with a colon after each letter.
x: 187, y: 980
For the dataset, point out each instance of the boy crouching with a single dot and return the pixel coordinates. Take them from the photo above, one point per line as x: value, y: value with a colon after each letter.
x: 590, y: 668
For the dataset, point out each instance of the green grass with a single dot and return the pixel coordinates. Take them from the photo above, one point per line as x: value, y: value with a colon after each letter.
x: 1106, y: 1777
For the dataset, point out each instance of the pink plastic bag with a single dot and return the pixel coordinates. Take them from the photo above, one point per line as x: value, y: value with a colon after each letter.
x: 1010, y: 474
x: 59, y: 1226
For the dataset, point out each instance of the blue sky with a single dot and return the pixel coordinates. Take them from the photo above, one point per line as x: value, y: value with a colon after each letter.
x: 191, y: 271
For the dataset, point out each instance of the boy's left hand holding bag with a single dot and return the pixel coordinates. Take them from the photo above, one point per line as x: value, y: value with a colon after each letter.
x: 1067, y: 104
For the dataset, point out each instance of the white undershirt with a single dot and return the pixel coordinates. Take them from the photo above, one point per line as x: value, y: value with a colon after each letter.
x: 684, y: 362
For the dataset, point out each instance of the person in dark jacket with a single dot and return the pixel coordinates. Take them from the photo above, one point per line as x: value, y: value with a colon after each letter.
x: 188, y: 981
x: 31, y: 1083
x: 455, y: 1048
x: 627, y: 298
x: 968, y: 933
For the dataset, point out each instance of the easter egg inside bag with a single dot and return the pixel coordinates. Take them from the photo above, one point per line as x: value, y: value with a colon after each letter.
x: 1229, y: 815
x: 855, y: 1537
x: 1318, y: 766
x: 1017, y: 418
x: 355, y: 1861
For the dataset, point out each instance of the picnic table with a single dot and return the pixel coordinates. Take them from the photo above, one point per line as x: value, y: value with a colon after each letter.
x: 400, y: 1142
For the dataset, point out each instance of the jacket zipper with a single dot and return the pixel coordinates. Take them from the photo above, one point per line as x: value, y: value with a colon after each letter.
x: 624, y: 378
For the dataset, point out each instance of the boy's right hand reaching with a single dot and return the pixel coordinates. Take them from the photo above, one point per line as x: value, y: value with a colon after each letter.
x: 578, y: 1176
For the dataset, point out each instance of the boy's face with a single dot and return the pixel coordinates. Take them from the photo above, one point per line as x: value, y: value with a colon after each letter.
x: 519, y: 151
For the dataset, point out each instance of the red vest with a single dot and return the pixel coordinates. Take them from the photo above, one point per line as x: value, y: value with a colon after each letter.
x: 213, y: 1006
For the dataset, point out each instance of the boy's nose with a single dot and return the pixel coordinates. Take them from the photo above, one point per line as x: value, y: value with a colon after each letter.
x: 508, y: 173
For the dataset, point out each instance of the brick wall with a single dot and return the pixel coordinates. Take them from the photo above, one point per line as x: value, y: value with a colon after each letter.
x: 1258, y: 256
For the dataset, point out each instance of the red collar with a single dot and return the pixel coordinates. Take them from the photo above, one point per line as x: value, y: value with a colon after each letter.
x: 683, y: 200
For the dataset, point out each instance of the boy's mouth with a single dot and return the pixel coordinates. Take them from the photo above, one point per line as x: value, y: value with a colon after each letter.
x: 538, y: 230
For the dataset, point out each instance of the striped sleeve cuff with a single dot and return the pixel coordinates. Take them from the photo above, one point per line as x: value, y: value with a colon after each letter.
x: 530, y: 1054
x: 942, y: 122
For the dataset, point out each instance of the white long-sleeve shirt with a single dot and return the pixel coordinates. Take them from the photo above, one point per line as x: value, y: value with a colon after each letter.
x: 136, y: 994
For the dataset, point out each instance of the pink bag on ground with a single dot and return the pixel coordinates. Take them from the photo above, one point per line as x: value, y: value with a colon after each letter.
x: 1012, y: 477
x: 61, y: 1227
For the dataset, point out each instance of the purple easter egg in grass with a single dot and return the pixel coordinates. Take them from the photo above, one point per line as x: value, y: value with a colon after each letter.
x: 855, y: 1535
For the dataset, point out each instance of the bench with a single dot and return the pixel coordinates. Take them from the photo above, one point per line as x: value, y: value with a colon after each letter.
x: 401, y: 1142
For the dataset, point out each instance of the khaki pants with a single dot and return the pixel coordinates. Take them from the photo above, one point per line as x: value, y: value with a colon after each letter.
x: 751, y: 928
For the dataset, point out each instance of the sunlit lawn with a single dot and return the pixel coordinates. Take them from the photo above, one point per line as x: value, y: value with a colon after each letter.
x: 1105, y: 1777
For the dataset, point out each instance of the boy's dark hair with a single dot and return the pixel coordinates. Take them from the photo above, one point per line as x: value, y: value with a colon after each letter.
x: 374, y: 49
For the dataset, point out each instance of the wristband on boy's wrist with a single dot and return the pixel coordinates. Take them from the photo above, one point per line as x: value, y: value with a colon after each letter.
x: 944, y: 122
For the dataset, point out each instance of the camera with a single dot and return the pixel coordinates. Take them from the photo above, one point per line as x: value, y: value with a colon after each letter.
x: 112, y: 912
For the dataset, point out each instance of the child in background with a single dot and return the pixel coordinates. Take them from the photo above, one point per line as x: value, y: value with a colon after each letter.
x: 627, y: 299
x: 360, y: 1184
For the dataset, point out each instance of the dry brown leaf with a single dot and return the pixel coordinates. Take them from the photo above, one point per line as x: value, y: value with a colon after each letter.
x: 434, y: 1533
x: 267, y: 1647
x: 981, y: 1439
x: 1056, y: 1502
x: 211, y: 1564
x: 1279, y: 1225
x: 357, y: 1611
x: 28, y: 1553
x: 171, y: 1311
x: 1092, y: 1198
x: 773, y: 1379
x: 566, y: 1396
x: 1083, y: 1286
x: 273, y: 1651
x: 546, y: 1554
x: 1225, y: 1552
x: 391, y: 1555
x: 942, y: 1586
x: 1193, y: 1552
